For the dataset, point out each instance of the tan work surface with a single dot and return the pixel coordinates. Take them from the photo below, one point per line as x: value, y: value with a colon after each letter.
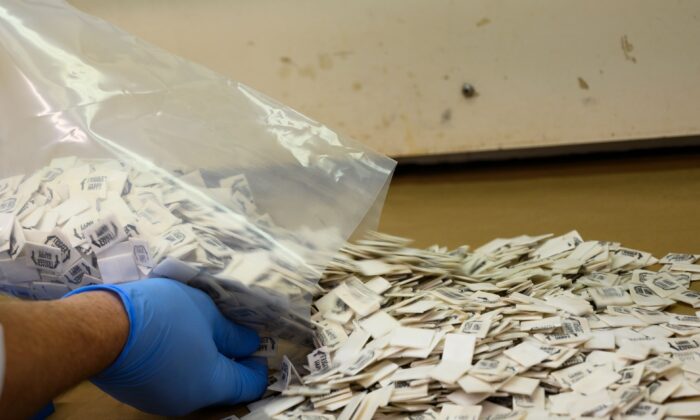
x: 389, y: 74
x: 649, y: 203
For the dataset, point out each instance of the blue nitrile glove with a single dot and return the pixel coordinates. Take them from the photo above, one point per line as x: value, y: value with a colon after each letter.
x: 177, y: 357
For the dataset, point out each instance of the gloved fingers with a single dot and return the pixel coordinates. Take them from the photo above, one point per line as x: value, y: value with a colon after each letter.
x: 238, y: 381
x: 203, y: 301
x: 256, y: 363
x: 231, y: 339
x: 234, y: 340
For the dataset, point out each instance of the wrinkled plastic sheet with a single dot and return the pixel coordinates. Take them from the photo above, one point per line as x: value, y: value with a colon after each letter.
x: 92, y: 114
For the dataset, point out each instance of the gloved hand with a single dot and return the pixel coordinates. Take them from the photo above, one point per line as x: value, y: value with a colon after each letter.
x: 177, y: 357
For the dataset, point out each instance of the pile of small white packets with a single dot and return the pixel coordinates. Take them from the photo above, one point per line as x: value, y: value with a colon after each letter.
x: 528, y: 327
x: 78, y: 222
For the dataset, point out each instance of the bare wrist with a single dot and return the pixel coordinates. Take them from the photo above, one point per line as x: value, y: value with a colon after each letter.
x: 105, y: 325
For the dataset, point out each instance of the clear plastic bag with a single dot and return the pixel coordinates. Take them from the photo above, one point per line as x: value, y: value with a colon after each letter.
x: 119, y: 160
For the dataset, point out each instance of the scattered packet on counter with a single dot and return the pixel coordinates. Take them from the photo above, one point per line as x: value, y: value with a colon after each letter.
x: 446, y: 340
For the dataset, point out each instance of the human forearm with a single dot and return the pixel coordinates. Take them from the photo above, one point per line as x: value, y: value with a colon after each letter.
x: 156, y: 344
x: 51, y: 346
